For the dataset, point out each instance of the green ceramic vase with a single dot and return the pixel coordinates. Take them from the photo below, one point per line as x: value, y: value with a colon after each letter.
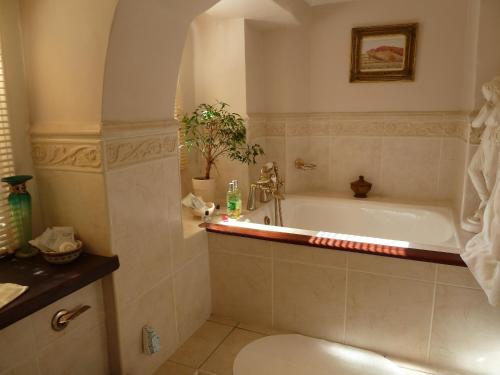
x: 20, y: 206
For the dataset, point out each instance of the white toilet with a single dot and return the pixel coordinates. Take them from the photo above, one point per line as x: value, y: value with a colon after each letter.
x: 301, y: 355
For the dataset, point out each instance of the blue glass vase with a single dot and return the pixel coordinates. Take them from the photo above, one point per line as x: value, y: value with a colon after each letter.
x: 20, y: 207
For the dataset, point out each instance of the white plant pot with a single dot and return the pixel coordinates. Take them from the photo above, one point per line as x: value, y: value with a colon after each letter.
x: 204, y: 188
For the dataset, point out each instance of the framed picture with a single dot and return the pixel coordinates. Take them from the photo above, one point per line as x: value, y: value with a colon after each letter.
x: 383, y: 53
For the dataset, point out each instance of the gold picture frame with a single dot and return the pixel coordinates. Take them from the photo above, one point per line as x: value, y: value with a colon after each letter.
x: 383, y: 53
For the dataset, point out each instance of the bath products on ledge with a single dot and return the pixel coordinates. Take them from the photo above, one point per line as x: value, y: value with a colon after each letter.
x: 233, y: 198
x: 198, y: 205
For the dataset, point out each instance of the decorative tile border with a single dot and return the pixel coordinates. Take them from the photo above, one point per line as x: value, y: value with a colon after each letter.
x: 381, y: 124
x: 67, y: 155
x: 129, y: 151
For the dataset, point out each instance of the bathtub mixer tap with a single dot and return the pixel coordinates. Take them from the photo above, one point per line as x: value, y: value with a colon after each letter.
x: 270, y: 185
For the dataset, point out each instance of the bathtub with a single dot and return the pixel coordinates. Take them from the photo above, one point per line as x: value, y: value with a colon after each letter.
x: 412, y: 231
x: 425, y: 225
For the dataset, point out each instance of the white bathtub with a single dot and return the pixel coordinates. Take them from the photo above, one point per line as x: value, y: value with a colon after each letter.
x: 365, y: 219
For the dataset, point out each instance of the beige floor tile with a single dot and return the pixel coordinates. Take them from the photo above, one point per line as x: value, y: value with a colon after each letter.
x: 221, y: 362
x: 171, y: 368
x: 195, y: 351
x: 223, y: 320
x: 263, y: 330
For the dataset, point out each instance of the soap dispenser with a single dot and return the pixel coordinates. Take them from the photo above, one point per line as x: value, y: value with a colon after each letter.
x: 233, y: 198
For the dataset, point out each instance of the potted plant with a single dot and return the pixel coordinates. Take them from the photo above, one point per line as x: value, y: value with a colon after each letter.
x: 215, y: 132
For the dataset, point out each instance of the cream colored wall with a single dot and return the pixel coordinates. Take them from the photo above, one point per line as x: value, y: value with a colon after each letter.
x: 129, y: 75
x: 439, y: 82
x: 31, y: 347
x: 65, y: 45
x: 287, y: 70
x: 220, y: 74
x: 255, y: 68
x: 219, y: 46
x: 488, y: 53
x: 13, y: 61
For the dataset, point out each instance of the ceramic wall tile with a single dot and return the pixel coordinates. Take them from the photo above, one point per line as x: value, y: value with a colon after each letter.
x: 392, y: 266
x: 458, y: 276
x: 192, y: 245
x: 352, y: 157
x: 29, y: 366
x: 315, y: 150
x: 410, y: 167
x: 309, y: 299
x: 156, y: 309
x: 192, y: 296
x: 309, y: 255
x: 241, y: 287
x: 389, y: 315
x: 175, y: 227
x: 81, y: 352
x: 240, y: 245
x: 275, y: 151
x: 90, y: 295
x: 139, y: 209
x: 465, y: 331
x: 18, y: 340
x: 362, y: 141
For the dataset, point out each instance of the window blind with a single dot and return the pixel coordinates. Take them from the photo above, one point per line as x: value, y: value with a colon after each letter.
x: 8, y: 235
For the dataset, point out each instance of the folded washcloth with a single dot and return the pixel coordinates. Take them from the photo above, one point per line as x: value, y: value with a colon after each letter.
x: 9, y: 292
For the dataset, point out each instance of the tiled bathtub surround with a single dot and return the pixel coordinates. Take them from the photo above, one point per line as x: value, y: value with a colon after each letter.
x: 419, y: 311
x: 405, y: 155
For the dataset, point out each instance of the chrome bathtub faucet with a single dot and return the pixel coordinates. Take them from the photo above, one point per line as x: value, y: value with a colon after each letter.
x: 270, y: 186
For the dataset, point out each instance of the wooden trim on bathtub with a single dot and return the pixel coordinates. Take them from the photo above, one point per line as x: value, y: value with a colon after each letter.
x: 421, y: 255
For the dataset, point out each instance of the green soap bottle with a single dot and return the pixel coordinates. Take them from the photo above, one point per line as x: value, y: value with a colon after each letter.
x: 233, y: 198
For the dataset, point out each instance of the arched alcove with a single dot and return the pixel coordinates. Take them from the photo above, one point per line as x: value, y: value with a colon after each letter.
x: 144, y: 53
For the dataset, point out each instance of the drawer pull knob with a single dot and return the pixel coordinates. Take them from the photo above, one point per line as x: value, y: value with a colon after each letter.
x: 62, y: 318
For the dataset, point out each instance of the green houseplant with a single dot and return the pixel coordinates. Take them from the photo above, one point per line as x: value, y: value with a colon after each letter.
x: 216, y: 132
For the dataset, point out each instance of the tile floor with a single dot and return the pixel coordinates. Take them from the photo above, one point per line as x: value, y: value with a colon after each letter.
x: 213, y: 347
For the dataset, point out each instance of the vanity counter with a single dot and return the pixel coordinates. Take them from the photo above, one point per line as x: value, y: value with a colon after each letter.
x: 48, y: 282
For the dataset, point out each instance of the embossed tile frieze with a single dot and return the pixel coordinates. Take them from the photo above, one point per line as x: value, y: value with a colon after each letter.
x: 136, y: 150
x: 379, y: 124
x: 57, y: 154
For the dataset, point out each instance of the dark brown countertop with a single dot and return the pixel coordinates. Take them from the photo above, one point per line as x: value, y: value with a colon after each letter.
x: 48, y: 282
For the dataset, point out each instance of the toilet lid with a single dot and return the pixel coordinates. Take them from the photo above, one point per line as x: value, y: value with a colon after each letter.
x: 301, y: 355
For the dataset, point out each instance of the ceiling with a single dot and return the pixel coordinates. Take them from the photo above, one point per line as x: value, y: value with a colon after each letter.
x: 258, y: 10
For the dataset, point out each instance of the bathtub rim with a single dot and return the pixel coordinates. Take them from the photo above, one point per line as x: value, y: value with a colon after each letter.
x: 416, y: 252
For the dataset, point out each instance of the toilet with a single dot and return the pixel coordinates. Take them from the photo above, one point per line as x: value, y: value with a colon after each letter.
x: 300, y: 355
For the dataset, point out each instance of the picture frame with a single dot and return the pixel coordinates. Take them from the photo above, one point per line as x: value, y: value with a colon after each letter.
x: 383, y: 53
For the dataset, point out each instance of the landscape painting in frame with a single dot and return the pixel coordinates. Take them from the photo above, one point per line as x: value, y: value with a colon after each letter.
x: 383, y: 53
